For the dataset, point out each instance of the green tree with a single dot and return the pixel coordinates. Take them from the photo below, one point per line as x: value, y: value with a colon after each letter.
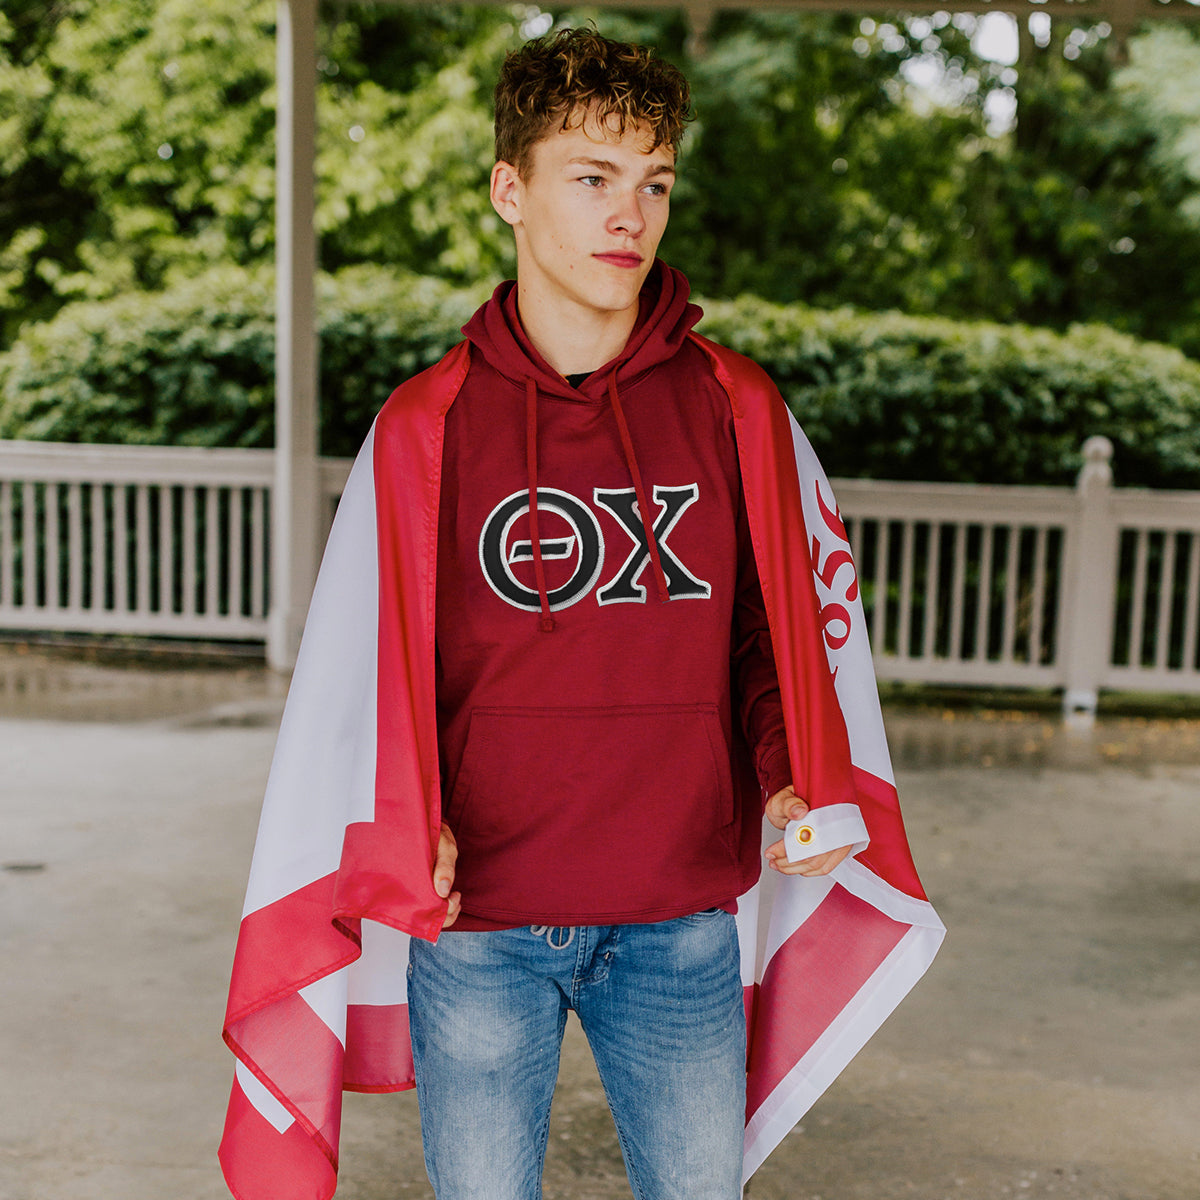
x: 406, y: 139
x: 1161, y: 86
x: 1074, y: 215
x: 147, y: 125
x: 37, y: 234
x: 138, y: 143
x: 136, y: 147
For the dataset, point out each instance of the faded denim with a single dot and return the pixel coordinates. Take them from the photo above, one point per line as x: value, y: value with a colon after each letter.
x: 661, y: 1005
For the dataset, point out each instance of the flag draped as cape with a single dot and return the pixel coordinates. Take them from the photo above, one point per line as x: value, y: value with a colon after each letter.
x: 341, y: 875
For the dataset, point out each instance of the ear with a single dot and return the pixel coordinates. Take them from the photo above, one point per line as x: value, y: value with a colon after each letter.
x: 505, y: 192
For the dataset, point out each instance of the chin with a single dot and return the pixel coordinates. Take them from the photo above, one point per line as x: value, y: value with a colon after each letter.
x: 618, y: 299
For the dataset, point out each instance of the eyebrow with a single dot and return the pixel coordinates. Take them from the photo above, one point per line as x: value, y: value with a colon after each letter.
x: 604, y: 164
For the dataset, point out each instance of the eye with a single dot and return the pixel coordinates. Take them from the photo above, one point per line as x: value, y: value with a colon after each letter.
x: 591, y: 181
x: 656, y: 189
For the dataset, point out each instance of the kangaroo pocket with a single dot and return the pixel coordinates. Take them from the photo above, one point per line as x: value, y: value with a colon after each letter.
x: 576, y: 814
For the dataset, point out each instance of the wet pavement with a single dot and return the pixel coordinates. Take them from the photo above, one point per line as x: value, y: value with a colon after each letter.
x: 1051, y: 1051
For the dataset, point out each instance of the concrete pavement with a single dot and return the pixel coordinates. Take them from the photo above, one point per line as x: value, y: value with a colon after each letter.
x: 1052, y: 1051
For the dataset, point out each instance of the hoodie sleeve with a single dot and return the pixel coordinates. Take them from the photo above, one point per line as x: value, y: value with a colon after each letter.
x: 752, y: 667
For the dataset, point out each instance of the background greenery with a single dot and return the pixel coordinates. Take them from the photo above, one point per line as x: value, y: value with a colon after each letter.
x: 136, y: 223
x: 883, y: 395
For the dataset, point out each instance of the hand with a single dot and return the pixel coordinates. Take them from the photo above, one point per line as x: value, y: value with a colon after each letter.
x: 786, y: 806
x: 443, y: 874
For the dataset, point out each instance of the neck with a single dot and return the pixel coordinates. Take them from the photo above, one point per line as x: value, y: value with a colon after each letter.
x: 578, y: 343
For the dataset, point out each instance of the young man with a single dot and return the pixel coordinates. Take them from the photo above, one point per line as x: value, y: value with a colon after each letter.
x: 572, y: 650
x: 600, y: 819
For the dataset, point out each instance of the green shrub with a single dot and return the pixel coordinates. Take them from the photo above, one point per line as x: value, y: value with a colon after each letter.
x: 880, y: 394
x: 887, y: 396
x: 195, y: 365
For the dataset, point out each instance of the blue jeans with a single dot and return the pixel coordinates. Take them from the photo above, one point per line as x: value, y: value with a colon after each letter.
x: 661, y: 1005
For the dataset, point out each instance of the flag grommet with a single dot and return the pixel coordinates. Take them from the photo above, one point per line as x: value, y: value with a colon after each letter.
x: 804, y: 834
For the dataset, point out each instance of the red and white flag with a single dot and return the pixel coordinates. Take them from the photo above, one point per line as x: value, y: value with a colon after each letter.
x: 824, y: 960
x: 341, y: 875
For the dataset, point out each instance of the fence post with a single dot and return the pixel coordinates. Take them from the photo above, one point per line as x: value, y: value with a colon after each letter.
x: 1091, y: 581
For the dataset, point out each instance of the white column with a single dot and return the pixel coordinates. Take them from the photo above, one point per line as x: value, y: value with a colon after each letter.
x: 296, y: 495
x: 1091, y: 581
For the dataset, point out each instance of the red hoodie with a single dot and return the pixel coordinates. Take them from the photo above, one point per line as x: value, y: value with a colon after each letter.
x: 606, y: 691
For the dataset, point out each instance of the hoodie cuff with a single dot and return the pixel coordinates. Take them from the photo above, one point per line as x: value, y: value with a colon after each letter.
x: 825, y: 829
x: 774, y: 773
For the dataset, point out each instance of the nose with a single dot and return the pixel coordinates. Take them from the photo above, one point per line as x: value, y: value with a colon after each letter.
x: 626, y: 216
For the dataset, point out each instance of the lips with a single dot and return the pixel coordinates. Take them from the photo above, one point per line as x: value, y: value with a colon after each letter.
x: 617, y: 258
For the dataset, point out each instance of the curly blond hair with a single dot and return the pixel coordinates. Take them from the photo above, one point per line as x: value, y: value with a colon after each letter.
x: 559, y: 78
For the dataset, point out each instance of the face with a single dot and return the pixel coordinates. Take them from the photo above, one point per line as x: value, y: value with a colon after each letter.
x: 588, y: 216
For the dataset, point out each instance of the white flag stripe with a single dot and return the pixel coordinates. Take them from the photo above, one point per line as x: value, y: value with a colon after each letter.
x: 380, y: 976
x: 796, y: 899
x: 268, y: 1107
x: 747, y: 930
x: 857, y: 691
x: 323, y: 772
x: 327, y: 998
x: 866, y: 885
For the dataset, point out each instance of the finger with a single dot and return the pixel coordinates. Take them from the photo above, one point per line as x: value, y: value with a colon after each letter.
x: 818, y: 864
x: 443, y: 867
x: 452, y: 909
x: 785, y: 806
x: 806, y: 868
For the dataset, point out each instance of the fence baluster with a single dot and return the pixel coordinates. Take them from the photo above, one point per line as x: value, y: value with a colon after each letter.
x: 983, y: 615
x: 904, y: 625
x: 142, y: 558
x: 74, y: 547
x: 166, y: 550
x: 188, y: 534
x: 1191, y: 603
x: 1166, y: 594
x: 933, y: 571
x: 1037, y: 599
x: 7, y: 558
x: 1137, y: 619
x: 99, y: 542
x: 53, y: 566
x: 879, y: 616
x: 1012, y: 560
x: 958, y: 592
x: 30, y: 550
x: 260, y: 507
x: 121, y: 548
x: 237, y: 583
x: 212, y: 553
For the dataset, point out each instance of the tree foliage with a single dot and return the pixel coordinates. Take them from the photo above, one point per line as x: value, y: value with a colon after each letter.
x: 136, y: 150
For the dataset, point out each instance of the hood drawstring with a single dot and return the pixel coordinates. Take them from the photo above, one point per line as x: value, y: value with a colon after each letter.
x: 660, y: 578
x: 539, y: 571
x: 547, y: 621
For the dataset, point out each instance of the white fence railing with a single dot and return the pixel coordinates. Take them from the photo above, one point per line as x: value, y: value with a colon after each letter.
x: 1076, y: 588
x: 1080, y: 588
x: 160, y: 541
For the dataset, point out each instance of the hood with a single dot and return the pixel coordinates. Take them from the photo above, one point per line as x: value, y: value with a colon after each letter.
x: 664, y: 319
